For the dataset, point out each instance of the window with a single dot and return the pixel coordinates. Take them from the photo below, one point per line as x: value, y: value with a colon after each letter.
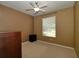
x: 49, y: 26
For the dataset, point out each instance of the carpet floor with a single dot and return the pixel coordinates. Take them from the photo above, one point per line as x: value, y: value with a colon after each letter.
x: 39, y: 49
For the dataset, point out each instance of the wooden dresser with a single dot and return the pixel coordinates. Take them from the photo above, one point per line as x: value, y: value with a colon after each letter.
x: 10, y: 44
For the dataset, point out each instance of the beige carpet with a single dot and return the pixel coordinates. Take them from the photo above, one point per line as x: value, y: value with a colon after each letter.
x: 43, y: 50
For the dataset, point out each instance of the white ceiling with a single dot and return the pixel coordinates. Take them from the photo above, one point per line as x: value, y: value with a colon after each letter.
x: 52, y: 5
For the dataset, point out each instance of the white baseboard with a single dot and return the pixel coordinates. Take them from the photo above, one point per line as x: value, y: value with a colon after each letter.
x: 57, y: 44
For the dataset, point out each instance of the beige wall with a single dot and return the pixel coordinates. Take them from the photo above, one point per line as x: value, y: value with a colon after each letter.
x: 65, y: 27
x: 77, y: 28
x: 12, y: 20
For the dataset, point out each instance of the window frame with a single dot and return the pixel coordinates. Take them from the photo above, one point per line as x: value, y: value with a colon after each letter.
x: 55, y: 27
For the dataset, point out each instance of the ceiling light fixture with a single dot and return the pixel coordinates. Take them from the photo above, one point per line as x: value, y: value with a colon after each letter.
x: 36, y: 9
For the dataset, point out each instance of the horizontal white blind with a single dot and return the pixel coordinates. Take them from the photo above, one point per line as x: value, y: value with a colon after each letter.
x: 49, y: 26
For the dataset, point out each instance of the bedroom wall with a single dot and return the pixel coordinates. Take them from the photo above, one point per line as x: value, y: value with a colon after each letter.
x: 64, y: 25
x: 12, y: 20
x: 77, y: 28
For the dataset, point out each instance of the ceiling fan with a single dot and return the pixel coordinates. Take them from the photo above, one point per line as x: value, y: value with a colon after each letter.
x: 36, y: 8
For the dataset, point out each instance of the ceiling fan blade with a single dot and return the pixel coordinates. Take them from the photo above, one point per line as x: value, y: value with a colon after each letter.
x: 43, y: 7
x: 37, y: 4
x: 29, y: 9
x: 36, y: 13
x: 32, y: 5
x: 43, y: 11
